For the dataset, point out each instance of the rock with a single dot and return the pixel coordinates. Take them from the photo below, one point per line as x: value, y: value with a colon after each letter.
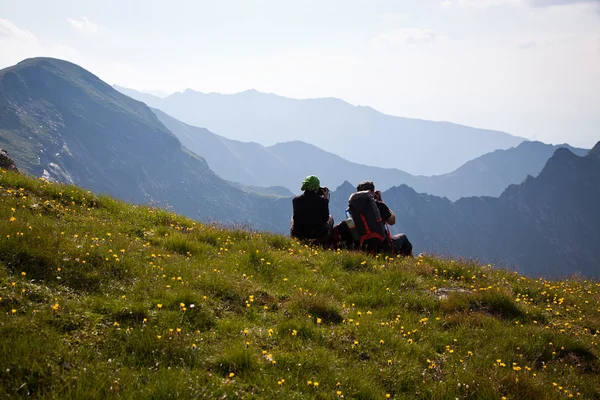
x: 6, y: 162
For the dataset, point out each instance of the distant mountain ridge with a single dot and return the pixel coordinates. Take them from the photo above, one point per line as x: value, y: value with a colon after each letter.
x: 286, y: 164
x: 546, y: 226
x: 356, y: 133
x: 60, y: 121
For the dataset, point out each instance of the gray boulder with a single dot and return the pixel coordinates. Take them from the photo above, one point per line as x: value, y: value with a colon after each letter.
x: 6, y: 162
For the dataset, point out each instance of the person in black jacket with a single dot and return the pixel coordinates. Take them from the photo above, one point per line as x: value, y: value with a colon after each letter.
x: 311, y: 219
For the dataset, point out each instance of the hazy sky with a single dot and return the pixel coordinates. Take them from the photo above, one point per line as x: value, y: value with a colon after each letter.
x: 527, y: 67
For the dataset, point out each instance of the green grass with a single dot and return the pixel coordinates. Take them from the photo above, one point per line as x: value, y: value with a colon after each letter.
x: 102, y: 299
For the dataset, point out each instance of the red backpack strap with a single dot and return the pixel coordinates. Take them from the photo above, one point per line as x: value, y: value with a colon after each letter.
x: 369, y: 234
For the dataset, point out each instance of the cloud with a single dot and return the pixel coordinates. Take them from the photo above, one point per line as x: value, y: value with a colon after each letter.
x: 484, y: 4
x: 406, y: 36
x: 83, y: 25
x: 548, y: 3
x: 487, y: 3
x: 526, y: 46
x: 9, y: 31
x: 17, y: 44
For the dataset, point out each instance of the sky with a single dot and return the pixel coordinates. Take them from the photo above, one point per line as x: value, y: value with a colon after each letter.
x: 527, y: 67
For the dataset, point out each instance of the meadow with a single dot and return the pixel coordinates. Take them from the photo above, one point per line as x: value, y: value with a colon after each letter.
x: 104, y: 299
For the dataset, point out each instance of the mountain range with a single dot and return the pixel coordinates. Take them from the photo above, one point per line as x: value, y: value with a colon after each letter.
x: 59, y: 121
x: 359, y: 134
x: 546, y: 226
x: 286, y: 164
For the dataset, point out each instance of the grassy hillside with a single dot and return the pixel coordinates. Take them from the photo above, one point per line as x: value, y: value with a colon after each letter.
x: 101, y: 299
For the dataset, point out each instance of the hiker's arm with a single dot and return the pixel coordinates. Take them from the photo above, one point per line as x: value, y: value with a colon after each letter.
x: 325, y: 213
x: 392, y: 219
x: 386, y: 214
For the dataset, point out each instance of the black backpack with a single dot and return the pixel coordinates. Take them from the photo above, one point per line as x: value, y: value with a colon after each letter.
x: 367, y: 220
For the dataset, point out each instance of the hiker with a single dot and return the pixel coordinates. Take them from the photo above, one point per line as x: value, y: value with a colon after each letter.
x: 311, y: 219
x: 370, y: 216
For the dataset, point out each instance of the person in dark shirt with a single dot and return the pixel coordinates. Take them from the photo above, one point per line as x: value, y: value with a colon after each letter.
x: 399, y: 243
x: 311, y: 219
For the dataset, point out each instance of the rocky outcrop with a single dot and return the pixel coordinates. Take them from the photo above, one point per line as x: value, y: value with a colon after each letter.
x: 6, y: 162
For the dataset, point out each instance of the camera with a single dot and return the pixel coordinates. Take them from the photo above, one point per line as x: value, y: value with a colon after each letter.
x: 323, y: 192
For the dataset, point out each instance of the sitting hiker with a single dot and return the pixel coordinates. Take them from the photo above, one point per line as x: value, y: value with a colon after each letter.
x: 370, y: 216
x: 311, y: 219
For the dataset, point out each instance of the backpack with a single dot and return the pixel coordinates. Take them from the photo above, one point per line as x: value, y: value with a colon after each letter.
x: 367, y: 220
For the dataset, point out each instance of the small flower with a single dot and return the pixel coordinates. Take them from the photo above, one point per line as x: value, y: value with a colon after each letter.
x: 231, y: 374
x: 159, y: 306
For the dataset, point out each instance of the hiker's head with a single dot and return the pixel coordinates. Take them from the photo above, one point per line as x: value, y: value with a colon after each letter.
x: 365, y: 185
x: 311, y: 183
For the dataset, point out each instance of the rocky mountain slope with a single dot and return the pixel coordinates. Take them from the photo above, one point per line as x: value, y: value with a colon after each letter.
x: 61, y: 122
x: 546, y: 226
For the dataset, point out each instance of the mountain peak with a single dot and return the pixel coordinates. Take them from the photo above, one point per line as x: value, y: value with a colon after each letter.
x: 595, y: 151
x: 345, y: 187
x: 561, y: 157
x: 563, y: 152
x: 39, y: 60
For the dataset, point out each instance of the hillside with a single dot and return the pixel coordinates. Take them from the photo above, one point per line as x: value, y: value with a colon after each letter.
x: 101, y: 299
x: 358, y: 134
x: 546, y: 226
x: 286, y: 164
x: 59, y: 121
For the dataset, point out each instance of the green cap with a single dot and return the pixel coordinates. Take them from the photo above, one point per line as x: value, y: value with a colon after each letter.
x: 311, y: 183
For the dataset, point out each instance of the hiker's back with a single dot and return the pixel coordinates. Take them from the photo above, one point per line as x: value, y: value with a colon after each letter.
x: 367, y: 221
